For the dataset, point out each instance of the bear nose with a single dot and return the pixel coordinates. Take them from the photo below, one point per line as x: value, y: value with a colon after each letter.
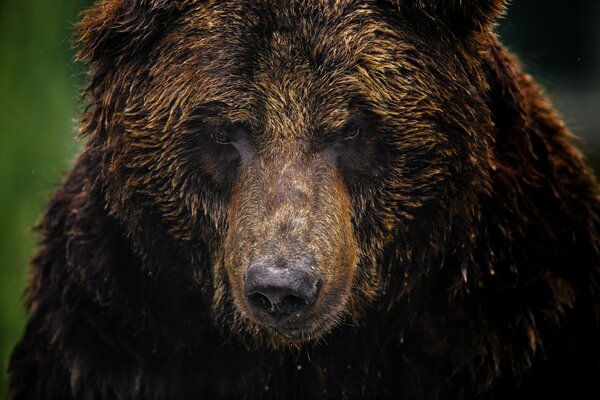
x: 279, y: 292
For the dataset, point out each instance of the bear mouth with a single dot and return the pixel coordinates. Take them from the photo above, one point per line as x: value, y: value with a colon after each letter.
x: 306, y: 331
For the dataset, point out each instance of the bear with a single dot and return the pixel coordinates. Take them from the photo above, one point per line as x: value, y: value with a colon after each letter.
x: 313, y: 199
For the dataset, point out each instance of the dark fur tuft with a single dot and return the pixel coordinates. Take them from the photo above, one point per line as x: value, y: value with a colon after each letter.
x: 114, y: 30
x: 460, y: 16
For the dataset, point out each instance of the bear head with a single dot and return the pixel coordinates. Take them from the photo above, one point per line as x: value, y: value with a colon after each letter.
x: 299, y: 161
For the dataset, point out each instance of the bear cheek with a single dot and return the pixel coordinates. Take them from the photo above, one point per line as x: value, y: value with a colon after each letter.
x: 237, y: 247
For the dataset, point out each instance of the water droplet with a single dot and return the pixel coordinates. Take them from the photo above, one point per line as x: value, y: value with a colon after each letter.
x: 299, y: 367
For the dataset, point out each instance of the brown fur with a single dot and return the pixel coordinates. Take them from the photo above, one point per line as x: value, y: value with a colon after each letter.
x: 457, y: 233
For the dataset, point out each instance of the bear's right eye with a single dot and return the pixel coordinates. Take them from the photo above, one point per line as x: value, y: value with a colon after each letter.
x: 351, y: 131
x: 221, y: 136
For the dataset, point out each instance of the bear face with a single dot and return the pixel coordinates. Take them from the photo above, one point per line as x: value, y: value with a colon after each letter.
x: 304, y: 144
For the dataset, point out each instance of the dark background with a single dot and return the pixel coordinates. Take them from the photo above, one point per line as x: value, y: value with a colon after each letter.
x: 558, y: 41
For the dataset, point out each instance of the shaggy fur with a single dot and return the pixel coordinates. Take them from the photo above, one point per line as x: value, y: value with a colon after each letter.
x: 396, y: 144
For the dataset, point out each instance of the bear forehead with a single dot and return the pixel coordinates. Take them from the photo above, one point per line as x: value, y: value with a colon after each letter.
x: 292, y: 63
x: 328, y: 36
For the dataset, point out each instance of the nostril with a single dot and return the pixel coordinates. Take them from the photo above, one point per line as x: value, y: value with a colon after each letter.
x: 261, y: 301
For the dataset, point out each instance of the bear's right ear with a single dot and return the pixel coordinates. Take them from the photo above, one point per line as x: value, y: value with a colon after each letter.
x: 112, y: 30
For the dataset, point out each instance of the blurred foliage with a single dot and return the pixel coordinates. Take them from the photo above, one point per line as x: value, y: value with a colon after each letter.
x: 39, y: 86
x: 39, y: 89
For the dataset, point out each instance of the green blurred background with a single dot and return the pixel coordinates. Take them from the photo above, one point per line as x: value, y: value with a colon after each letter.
x: 557, y: 40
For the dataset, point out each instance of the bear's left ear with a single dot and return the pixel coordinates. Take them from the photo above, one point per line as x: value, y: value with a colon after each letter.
x: 112, y: 30
x: 461, y: 16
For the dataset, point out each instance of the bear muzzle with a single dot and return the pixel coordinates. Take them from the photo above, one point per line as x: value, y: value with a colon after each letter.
x: 281, y: 295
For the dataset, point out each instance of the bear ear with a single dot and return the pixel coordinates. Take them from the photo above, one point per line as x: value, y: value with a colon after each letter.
x: 112, y: 30
x: 461, y: 16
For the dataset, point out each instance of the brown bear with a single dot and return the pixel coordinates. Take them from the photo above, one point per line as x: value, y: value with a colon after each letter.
x: 313, y: 199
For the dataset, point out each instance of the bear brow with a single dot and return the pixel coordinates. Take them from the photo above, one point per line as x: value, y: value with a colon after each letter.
x: 217, y: 109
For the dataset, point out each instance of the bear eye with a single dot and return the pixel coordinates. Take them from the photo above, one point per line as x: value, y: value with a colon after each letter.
x: 221, y: 136
x: 351, y: 131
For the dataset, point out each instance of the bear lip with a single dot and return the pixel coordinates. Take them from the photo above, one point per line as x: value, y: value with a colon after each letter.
x: 310, y: 330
